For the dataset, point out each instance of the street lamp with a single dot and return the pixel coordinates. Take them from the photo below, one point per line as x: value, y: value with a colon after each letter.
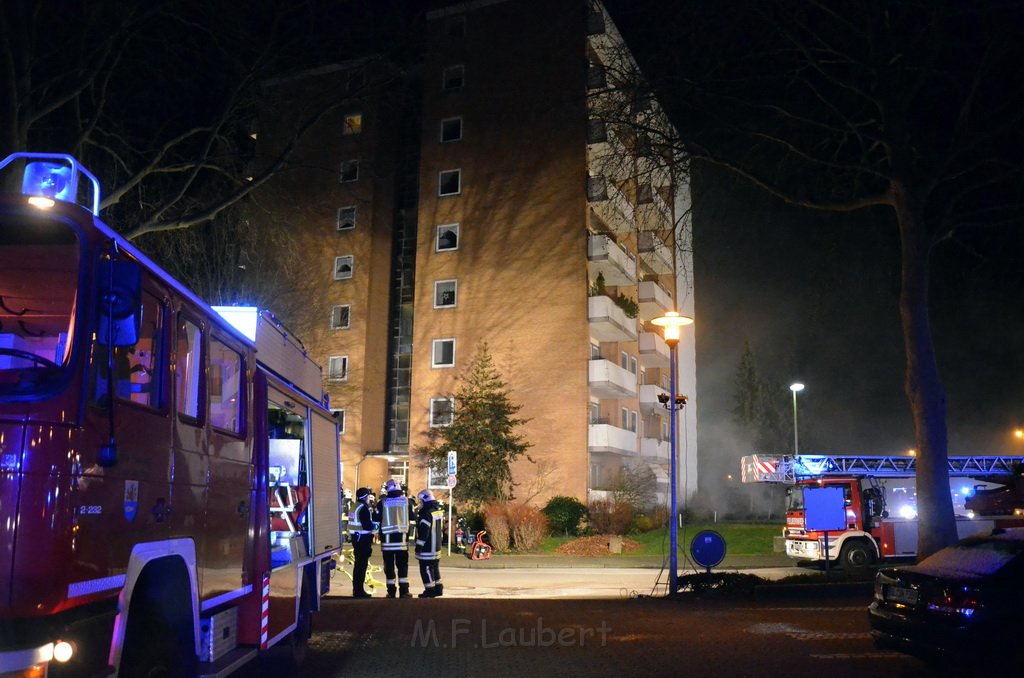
x: 795, y: 388
x: 672, y: 324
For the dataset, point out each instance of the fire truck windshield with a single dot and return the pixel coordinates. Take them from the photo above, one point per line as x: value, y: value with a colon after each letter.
x: 39, y: 266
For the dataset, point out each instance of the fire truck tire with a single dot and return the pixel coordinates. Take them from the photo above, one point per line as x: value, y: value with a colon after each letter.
x: 856, y: 555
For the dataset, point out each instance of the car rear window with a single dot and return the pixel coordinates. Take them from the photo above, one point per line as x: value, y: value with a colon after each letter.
x: 972, y: 558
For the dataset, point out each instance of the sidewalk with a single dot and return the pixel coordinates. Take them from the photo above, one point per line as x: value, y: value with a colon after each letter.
x: 624, y: 561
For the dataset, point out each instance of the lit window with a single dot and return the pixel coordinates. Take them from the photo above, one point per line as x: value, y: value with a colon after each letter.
x: 337, y: 368
x: 451, y: 129
x: 353, y: 124
x: 442, y: 411
x: 447, y: 238
x: 453, y: 77
x: 449, y: 182
x: 443, y: 353
x: 444, y: 293
x: 346, y: 218
x: 349, y: 171
x: 340, y: 317
x: 343, y: 267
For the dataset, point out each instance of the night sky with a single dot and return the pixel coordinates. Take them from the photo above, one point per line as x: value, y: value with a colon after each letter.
x: 816, y: 294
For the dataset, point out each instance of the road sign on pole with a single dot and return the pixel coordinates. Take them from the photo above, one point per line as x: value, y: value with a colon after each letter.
x: 453, y: 463
x: 452, y: 480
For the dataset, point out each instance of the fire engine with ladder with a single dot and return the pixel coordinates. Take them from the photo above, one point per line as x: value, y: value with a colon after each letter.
x: 169, y: 473
x: 880, y: 501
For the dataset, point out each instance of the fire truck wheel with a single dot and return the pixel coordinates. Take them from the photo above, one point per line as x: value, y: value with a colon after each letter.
x: 158, y: 638
x: 856, y: 555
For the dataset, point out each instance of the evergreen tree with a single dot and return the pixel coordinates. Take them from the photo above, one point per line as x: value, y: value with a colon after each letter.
x: 758, y: 411
x: 482, y: 432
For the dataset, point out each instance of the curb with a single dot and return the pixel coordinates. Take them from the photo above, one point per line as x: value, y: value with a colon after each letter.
x: 823, y: 590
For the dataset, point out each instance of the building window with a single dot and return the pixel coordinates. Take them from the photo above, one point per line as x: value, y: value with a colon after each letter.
x: 349, y: 171
x: 665, y: 433
x: 595, y: 351
x: 449, y: 182
x: 624, y: 418
x: 139, y: 369
x: 595, y: 413
x: 442, y: 412
x: 451, y: 129
x: 443, y: 353
x: 340, y: 317
x: 456, y: 27
x: 346, y: 218
x: 597, y: 131
x: 597, y: 189
x: 596, y: 78
x: 445, y: 292
x: 632, y: 364
x: 595, y: 476
x: 337, y: 368
x: 437, y: 478
x: 453, y: 77
x: 339, y: 416
x: 624, y: 360
x: 634, y: 419
x: 447, y: 238
x: 343, y: 267
x: 644, y: 194
x: 353, y: 124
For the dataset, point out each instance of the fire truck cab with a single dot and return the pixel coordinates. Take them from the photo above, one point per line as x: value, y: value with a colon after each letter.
x: 880, y: 497
x: 169, y: 483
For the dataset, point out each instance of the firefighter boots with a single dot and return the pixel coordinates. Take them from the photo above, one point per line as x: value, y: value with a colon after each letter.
x: 403, y: 591
x: 391, y: 591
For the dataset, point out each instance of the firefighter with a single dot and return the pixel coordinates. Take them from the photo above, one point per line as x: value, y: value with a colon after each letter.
x: 361, y: 529
x: 392, y: 514
x: 428, y: 544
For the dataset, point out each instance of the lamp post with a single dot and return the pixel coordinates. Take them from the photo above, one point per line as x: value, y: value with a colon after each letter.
x: 795, y: 388
x: 672, y: 324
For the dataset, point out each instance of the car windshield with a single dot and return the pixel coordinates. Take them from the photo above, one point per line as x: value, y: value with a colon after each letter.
x: 39, y: 264
x: 974, y: 557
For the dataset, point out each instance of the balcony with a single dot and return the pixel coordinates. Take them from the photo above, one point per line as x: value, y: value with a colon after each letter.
x: 653, y: 350
x: 608, y: 322
x: 655, y: 449
x: 608, y: 438
x: 607, y: 257
x: 655, y: 252
x: 608, y: 381
x: 653, y: 299
x: 649, y: 403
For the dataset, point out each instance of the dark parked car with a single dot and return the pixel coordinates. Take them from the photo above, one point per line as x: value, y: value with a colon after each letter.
x: 963, y: 602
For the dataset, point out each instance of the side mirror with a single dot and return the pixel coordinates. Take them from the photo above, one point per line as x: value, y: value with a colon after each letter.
x: 120, y: 299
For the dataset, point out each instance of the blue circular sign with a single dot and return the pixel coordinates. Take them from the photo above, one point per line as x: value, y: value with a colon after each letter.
x: 707, y: 548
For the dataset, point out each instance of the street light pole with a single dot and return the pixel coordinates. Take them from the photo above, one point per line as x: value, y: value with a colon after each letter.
x: 795, y: 388
x: 671, y: 323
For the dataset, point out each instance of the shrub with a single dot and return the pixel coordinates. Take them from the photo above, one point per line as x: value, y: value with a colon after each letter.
x: 528, y: 526
x: 565, y: 515
x: 496, y: 522
x: 659, y: 515
x: 610, y: 517
x: 642, y: 523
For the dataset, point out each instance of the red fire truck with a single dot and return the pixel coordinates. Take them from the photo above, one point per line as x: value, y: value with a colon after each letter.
x: 881, y: 501
x: 169, y: 483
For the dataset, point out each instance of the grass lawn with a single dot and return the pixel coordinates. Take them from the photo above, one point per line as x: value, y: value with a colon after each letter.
x: 741, y: 539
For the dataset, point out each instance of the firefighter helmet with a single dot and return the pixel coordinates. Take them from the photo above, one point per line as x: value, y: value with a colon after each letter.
x: 362, y: 492
x: 425, y: 496
x: 391, y: 486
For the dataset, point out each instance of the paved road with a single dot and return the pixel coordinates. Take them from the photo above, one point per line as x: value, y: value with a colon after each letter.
x: 650, y: 637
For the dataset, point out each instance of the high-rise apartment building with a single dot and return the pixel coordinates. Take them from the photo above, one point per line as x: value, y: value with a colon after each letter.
x: 505, y: 188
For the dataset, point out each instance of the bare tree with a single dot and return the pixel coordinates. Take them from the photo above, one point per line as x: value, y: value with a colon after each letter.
x: 908, y: 107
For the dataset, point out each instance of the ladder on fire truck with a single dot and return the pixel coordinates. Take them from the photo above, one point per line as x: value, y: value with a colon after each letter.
x: 760, y: 468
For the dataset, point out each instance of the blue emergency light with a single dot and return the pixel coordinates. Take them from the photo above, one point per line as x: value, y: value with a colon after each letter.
x: 54, y: 176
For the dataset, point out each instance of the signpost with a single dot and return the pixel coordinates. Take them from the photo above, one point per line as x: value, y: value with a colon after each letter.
x: 825, y: 511
x: 453, y: 471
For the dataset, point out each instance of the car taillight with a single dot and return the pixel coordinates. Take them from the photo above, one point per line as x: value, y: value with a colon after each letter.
x: 961, y: 602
